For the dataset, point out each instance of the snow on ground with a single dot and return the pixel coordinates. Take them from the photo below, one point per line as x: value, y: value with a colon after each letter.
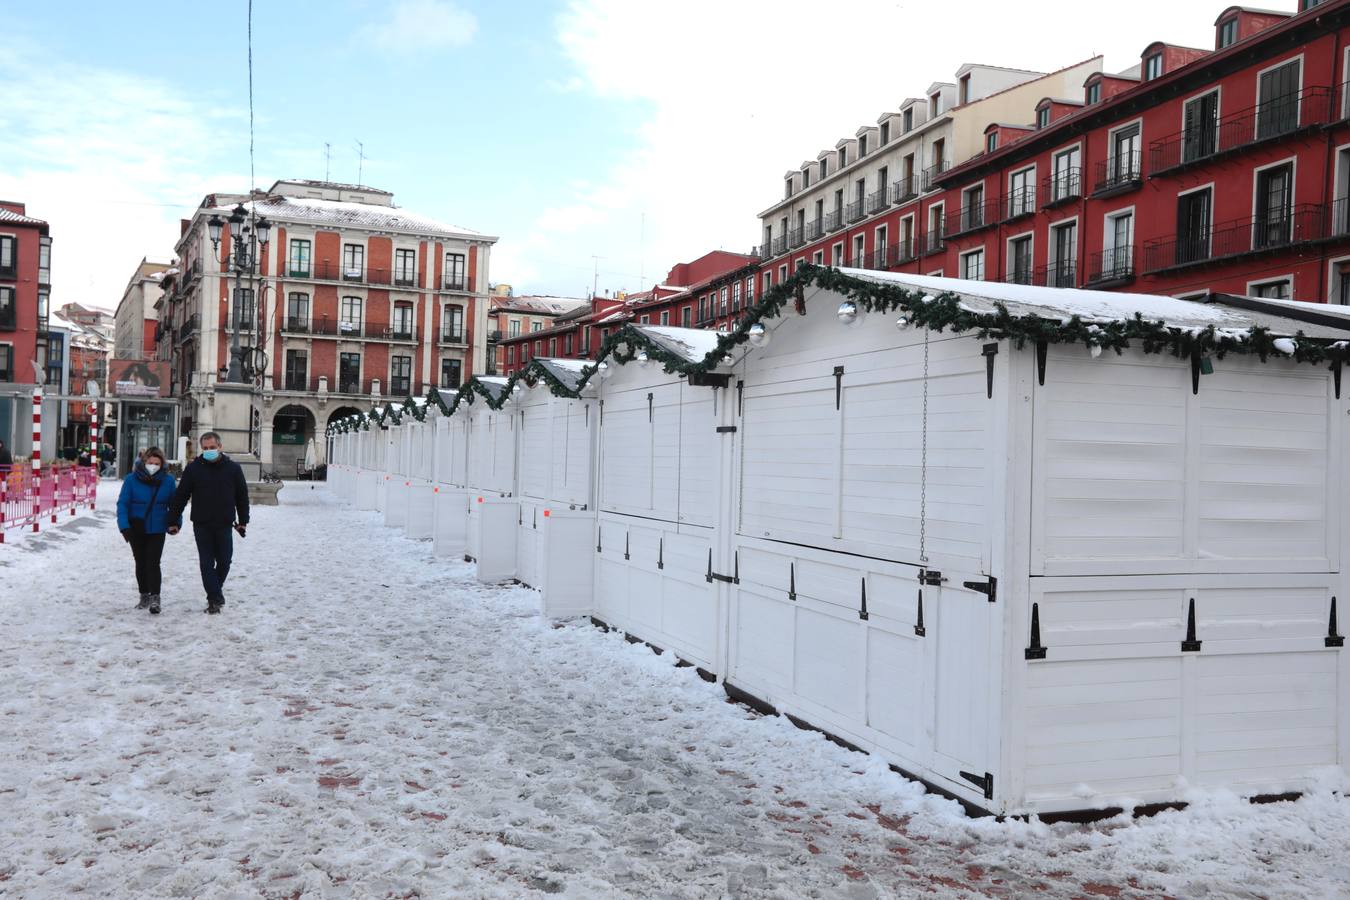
x: 367, y: 721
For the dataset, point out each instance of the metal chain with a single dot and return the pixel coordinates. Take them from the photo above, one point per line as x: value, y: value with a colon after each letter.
x: 923, y: 461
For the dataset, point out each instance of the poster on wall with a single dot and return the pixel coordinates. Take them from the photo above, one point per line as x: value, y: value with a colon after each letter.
x: 139, y: 377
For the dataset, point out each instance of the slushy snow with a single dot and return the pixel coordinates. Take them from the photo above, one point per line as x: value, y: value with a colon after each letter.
x: 365, y: 720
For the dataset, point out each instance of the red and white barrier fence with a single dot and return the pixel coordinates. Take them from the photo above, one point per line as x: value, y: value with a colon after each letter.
x: 27, y: 495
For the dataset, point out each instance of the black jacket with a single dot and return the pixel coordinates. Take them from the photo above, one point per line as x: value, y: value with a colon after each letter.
x: 6, y: 459
x: 217, y: 490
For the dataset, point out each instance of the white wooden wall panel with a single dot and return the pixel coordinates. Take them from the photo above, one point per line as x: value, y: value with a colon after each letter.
x: 626, y: 453
x: 699, y: 457
x: 667, y: 442
x: 537, y: 447
x: 570, y: 456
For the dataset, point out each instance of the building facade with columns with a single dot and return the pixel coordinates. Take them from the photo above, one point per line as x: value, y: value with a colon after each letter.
x: 353, y: 299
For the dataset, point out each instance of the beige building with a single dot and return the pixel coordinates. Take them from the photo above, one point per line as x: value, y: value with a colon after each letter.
x: 136, y: 317
x: 894, y: 161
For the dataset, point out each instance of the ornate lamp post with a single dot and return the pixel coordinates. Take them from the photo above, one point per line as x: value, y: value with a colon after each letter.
x: 248, y: 234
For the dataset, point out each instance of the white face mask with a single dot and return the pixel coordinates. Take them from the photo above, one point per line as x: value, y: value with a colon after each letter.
x: 152, y: 468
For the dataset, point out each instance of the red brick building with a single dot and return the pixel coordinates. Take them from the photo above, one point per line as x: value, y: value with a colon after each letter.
x: 25, y: 286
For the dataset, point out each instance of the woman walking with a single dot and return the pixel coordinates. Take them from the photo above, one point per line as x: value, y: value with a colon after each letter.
x: 143, y: 517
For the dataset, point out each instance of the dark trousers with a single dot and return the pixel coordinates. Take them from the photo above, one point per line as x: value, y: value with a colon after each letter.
x: 215, y: 547
x: 147, y: 549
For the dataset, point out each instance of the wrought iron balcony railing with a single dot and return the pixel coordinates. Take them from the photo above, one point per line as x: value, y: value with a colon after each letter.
x: 1241, y: 237
x: 1019, y: 202
x: 856, y: 211
x: 933, y: 173
x: 796, y: 237
x: 1115, y: 266
x: 1120, y: 173
x: 877, y: 201
x: 904, y: 190
x: 815, y: 229
x: 1220, y: 135
x: 973, y: 216
x: 1063, y: 186
x: 834, y: 220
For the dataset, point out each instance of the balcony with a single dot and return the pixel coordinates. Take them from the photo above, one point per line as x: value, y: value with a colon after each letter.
x: 351, y: 331
x: 835, y: 220
x: 1025, y: 275
x: 1119, y: 174
x: 1019, y: 202
x: 10, y: 272
x: 815, y: 229
x: 1248, y: 236
x: 454, y: 283
x: 763, y: 252
x: 904, y: 252
x: 1278, y: 118
x: 796, y: 237
x: 877, y: 201
x: 879, y: 258
x: 904, y: 190
x: 296, y: 325
x: 298, y: 271
x: 188, y: 328
x: 933, y: 173
x: 494, y: 336
x: 856, y: 211
x: 780, y: 245
x: 1111, y: 268
x: 1063, y: 274
x: 1064, y: 186
x: 298, y: 383
x: 933, y: 242
x: 400, y: 387
x: 452, y: 336
x: 405, y: 278
x: 973, y: 217
x: 8, y: 317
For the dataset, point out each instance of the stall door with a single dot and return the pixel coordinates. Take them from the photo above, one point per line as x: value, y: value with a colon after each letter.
x: 964, y: 632
x: 641, y: 451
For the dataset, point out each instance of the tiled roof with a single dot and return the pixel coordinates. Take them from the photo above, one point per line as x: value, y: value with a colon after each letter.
x: 14, y: 218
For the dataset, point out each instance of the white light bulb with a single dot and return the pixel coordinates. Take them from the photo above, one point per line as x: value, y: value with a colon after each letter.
x: 758, y: 335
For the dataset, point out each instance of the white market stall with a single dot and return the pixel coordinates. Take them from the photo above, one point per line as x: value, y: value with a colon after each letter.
x: 451, y: 492
x: 491, y: 474
x: 662, y: 457
x: 555, y: 520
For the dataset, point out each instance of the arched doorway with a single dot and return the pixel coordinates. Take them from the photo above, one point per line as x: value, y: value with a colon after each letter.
x: 338, y: 414
x: 292, y: 429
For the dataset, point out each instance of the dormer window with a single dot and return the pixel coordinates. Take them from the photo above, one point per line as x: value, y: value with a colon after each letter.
x: 1153, y: 66
x: 934, y: 105
x: 965, y: 90
x: 824, y: 169
x: 862, y: 145
x: 1228, y: 32
x: 1043, y: 117
x: 843, y: 157
x: 787, y: 188
x: 907, y: 120
x: 1094, y: 93
x: 806, y: 178
x: 991, y: 142
x: 885, y: 132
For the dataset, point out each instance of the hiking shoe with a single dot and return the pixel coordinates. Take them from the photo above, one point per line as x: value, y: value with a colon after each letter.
x: 213, y: 606
x: 145, y: 602
x: 154, y: 604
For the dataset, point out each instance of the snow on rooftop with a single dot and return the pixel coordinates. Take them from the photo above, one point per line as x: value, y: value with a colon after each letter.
x: 693, y: 344
x: 343, y: 212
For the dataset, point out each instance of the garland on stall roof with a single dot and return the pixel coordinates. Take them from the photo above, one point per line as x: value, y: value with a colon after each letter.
x: 937, y: 312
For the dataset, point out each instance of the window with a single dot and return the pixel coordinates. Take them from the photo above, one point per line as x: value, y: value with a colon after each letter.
x: 8, y: 314
x: 353, y: 262
x: 297, y: 311
x: 972, y: 208
x: 536, y: 326
x: 1193, y: 225
x: 349, y: 373
x: 1126, y: 154
x: 567, y: 344
x: 1200, y: 127
x: 837, y: 255
x: 297, y: 370
x: 452, y: 323
x: 8, y: 262
x: 965, y: 90
x: 1228, y: 32
x: 749, y: 290
x: 1153, y: 66
x: 1019, y: 260
x: 843, y: 157
x: 787, y: 188
x: 1118, y: 255
x: 1022, y: 193
x: 1277, y: 100
x: 402, y: 324
x: 243, y: 308
x: 351, y: 314
x: 1063, y: 269
x: 1067, y: 174
x: 298, y: 266
x: 818, y: 258
x: 405, y: 267
x: 806, y: 178
x: 511, y: 355
x: 400, y: 376
x: 1305, y: 5
x: 935, y: 223
x: 1276, y: 289
x: 665, y: 317
x: 538, y: 348
x: 991, y: 142
x: 768, y: 280
x: 454, y: 271
x: 862, y: 145
x: 906, y: 238
x: 703, y: 307
x: 782, y: 274
x: 1043, y: 117
x: 1094, y: 93
x: 687, y: 316
x: 513, y: 328
x: 1274, y: 202
x: 934, y: 105
x: 44, y: 260
x: 451, y: 373
x: 907, y: 120
x: 6, y: 363
x: 859, y: 251
x: 824, y: 169
x: 736, y: 297
x: 885, y: 132
x: 723, y: 304
x: 552, y: 347
x: 972, y: 265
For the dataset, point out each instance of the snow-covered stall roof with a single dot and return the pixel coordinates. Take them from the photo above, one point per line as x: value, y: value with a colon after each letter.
x: 1025, y: 301
x: 493, y: 385
x: 693, y: 344
x: 567, y: 371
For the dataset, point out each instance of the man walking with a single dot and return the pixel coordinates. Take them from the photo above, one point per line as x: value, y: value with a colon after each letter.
x: 215, y: 484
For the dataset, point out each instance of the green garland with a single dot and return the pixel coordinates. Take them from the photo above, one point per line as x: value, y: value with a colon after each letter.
x: 937, y: 312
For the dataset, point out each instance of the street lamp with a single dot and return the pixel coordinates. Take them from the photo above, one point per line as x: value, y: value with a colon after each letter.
x: 247, y: 234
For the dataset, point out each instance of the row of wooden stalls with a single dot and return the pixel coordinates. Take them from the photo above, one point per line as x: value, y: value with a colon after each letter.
x: 1038, y: 575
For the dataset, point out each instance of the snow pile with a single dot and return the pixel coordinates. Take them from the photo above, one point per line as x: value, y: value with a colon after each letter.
x: 354, y: 731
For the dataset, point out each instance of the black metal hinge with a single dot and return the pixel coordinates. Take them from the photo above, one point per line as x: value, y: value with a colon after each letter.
x: 726, y: 429
x: 792, y: 581
x: 919, y: 630
x: 1042, y: 350
x: 1333, y: 639
x: 862, y: 612
x: 599, y: 539
x: 661, y: 554
x: 535, y: 523
x: 838, y: 386
x: 988, y: 587
x: 1035, y: 649
x: 984, y: 783
x: 1190, y: 644
x: 990, y: 351
x: 649, y: 408
x: 728, y: 579
x: 931, y: 577
x: 625, y: 545
x: 740, y: 398
x: 1336, y: 377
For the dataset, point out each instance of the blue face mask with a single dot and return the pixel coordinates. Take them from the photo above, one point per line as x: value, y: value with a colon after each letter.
x: 211, y: 455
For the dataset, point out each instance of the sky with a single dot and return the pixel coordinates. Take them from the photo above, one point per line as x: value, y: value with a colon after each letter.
x: 601, y: 141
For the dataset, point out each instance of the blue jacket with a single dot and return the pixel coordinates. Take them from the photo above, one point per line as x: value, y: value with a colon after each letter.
x: 134, y: 500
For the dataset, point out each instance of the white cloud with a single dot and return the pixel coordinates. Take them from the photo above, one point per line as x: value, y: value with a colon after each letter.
x: 110, y: 161
x: 422, y: 25
x: 740, y: 92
